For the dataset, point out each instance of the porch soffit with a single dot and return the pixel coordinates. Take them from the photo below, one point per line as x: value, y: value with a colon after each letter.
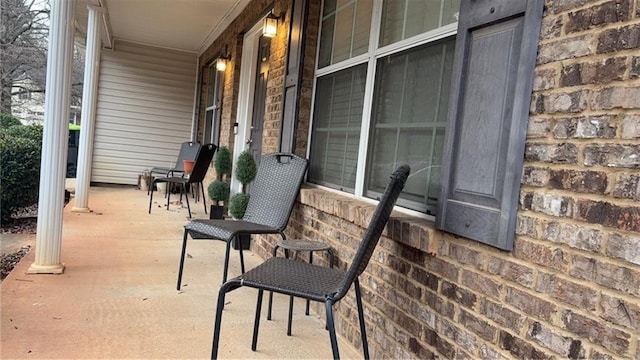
x: 186, y: 25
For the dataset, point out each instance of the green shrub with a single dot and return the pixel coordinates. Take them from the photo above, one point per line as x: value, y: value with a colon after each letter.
x: 7, y: 120
x: 218, y: 191
x: 32, y: 132
x: 238, y: 205
x: 222, y: 162
x: 20, y: 169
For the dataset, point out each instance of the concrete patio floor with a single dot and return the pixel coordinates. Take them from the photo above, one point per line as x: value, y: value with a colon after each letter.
x: 117, y: 296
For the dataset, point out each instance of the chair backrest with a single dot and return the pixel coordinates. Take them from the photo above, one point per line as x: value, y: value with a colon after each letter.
x: 188, y: 151
x: 202, y: 163
x: 275, y: 189
x: 373, y: 232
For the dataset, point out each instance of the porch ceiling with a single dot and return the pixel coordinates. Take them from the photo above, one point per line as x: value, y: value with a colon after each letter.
x: 189, y: 25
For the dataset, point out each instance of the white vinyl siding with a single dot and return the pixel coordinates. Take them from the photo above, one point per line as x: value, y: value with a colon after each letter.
x: 144, y: 110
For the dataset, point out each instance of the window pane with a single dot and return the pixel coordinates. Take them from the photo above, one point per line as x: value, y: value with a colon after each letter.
x: 345, y: 30
x: 409, y: 119
x: 336, y: 128
x: 211, y: 85
x: 343, y: 34
x: 329, y: 7
x: 361, y: 28
x: 402, y: 19
x: 208, y: 127
x: 324, y: 56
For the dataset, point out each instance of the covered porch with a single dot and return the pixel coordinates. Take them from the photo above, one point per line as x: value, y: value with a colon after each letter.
x: 117, y: 296
x: 554, y: 207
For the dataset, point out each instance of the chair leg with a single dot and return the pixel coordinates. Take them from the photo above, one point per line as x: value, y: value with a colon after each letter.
x: 363, y: 331
x: 168, y: 194
x: 151, y: 197
x: 275, y: 253
x: 183, y: 189
x: 184, y: 252
x: 226, y: 261
x: 306, y: 310
x: 256, y: 322
x: 218, y: 321
x: 204, y: 198
x: 241, y: 254
x: 332, y: 329
x: 290, y: 320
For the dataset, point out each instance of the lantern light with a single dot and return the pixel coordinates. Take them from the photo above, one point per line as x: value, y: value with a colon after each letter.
x: 270, y: 26
x: 221, y: 64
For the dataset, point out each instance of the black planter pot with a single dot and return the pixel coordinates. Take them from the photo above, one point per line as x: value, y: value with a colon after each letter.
x: 216, y: 211
x: 244, y: 240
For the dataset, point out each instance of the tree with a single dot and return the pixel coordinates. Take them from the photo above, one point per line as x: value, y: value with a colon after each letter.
x: 23, y: 46
x: 24, y: 31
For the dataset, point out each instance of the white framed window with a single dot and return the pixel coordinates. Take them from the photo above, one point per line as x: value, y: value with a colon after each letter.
x: 213, y: 105
x: 381, y: 99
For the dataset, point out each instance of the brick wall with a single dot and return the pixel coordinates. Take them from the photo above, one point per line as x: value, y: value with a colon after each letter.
x: 308, y: 76
x: 571, y: 286
x: 232, y: 39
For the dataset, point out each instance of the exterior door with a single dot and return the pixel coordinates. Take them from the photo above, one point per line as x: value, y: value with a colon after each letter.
x: 251, y: 97
x: 260, y: 94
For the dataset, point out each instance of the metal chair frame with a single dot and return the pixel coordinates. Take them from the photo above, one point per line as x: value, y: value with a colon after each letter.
x: 297, y: 246
x: 317, y: 283
x: 188, y: 151
x: 202, y: 163
x: 273, y: 194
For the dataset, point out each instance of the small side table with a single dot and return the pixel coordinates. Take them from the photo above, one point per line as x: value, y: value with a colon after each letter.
x: 299, y: 245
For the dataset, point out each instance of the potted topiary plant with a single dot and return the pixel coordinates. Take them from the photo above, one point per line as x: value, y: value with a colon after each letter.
x: 218, y: 193
x: 218, y: 190
x: 246, y: 170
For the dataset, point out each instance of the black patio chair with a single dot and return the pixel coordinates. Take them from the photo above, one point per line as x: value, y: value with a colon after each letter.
x: 317, y: 283
x: 188, y: 151
x: 296, y: 246
x: 200, y: 168
x: 273, y: 194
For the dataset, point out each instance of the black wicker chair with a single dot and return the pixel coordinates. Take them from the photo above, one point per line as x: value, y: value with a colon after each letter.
x: 200, y: 168
x: 188, y: 151
x: 273, y: 194
x: 313, y: 282
x: 296, y: 246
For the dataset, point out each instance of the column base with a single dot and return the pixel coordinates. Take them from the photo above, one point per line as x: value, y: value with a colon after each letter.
x: 45, y: 269
x: 80, y: 210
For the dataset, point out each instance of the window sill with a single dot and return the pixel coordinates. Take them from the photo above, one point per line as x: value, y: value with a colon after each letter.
x: 409, y: 230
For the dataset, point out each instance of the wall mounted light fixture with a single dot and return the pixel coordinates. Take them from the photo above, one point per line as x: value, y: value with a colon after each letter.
x: 270, y: 26
x: 221, y: 62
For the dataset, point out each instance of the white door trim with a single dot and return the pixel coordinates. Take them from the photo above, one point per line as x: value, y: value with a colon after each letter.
x: 245, y: 96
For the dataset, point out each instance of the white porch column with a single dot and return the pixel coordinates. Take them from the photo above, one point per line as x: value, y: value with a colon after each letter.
x: 89, y: 96
x: 55, y: 139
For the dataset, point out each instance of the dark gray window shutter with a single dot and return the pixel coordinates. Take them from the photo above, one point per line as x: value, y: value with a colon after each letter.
x: 491, y: 86
x: 292, y: 88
